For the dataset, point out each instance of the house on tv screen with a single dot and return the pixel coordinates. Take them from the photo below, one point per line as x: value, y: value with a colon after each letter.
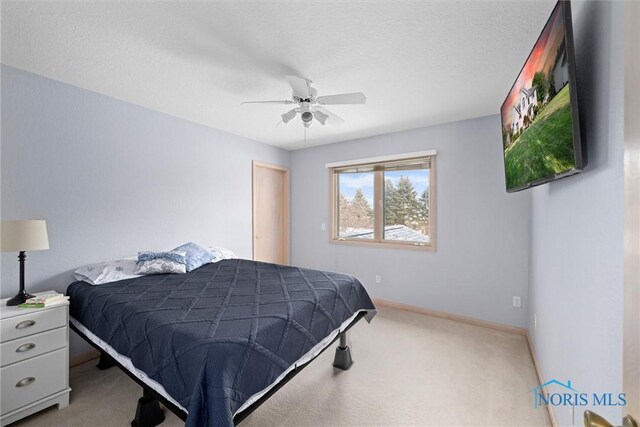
x: 523, y: 112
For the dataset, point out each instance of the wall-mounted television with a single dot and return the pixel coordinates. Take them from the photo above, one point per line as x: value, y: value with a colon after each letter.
x: 540, y: 121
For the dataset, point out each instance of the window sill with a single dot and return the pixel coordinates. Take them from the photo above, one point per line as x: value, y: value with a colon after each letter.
x: 390, y: 245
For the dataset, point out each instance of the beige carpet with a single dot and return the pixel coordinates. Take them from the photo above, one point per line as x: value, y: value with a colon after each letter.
x: 410, y: 369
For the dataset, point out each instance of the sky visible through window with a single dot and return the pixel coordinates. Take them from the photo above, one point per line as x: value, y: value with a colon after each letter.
x: 351, y: 182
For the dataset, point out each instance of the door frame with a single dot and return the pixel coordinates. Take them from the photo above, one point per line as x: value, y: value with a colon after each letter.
x: 631, y: 317
x: 285, y: 229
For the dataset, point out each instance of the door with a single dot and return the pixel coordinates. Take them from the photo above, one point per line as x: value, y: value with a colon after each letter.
x: 631, y: 317
x: 270, y: 213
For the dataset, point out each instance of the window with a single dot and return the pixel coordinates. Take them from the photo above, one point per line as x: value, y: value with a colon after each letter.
x: 385, y: 201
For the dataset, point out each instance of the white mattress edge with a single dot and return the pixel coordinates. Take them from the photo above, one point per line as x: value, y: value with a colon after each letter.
x: 157, y: 387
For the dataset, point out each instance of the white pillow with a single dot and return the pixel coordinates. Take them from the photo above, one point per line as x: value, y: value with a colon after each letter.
x: 220, y: 253
x: 107, y: 272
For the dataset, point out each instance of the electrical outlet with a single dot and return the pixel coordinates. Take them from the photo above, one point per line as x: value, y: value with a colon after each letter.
x: 323, y: 226
x: 378, y: 278
x: 517, y: 302
x: 535, y: 322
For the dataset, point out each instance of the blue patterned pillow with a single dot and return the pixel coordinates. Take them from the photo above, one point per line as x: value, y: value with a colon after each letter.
x: 196, y: 255
x: 161, y: 262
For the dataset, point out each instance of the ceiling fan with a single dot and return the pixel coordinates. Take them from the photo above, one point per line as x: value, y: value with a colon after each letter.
x: 310, y: 106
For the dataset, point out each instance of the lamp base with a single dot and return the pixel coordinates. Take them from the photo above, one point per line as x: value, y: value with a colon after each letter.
x: 20, y: 298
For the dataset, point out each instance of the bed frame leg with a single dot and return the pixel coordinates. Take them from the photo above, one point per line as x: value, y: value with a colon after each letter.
x: 105, y: 362
x: 148, y: 412
x: 343, y: 358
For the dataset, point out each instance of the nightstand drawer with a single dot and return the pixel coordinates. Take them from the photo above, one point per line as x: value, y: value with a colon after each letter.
x: 32, y: 322
x: 26, y: 382
x: 33, y: 345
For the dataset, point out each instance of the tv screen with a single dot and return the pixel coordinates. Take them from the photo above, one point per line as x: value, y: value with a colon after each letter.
x: 540, y: 127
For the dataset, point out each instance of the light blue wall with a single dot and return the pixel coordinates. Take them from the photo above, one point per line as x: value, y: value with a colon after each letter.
x: 482, y: 258
x: 112, y: 178
x: 576, y: 272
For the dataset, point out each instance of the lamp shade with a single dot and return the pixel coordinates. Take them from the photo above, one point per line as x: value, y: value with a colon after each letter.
x: 27, y: 235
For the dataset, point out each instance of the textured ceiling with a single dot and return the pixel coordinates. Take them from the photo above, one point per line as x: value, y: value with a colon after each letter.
x: 419, y: 63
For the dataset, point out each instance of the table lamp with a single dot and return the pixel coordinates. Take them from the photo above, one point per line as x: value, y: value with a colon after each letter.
x: 21, y: 236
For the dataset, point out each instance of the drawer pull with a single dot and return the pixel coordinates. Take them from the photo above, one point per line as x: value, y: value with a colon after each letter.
x: 25, y: 324
x: 25, y: 381
x: 25, y: 347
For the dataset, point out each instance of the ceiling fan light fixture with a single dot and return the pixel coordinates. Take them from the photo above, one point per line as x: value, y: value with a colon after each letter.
x: 321, y: 117
x: 288, y: 116
x: 307, y: 117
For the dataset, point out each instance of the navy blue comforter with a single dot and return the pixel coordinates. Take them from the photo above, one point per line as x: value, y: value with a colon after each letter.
x: 221, y: 333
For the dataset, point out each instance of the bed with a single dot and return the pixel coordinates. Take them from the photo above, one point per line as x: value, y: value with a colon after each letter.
x: 214, y: 343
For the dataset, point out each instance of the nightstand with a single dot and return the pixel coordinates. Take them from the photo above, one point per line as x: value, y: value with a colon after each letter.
x: 34, y: 359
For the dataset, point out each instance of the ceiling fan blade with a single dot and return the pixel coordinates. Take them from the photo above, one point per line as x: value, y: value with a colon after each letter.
x: 267, y: 102
x: 332, y: 118
x: 343, y: 98
x: 300, y: 86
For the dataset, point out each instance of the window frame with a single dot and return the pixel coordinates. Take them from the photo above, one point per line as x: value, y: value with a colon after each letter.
x: 378, y: 208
